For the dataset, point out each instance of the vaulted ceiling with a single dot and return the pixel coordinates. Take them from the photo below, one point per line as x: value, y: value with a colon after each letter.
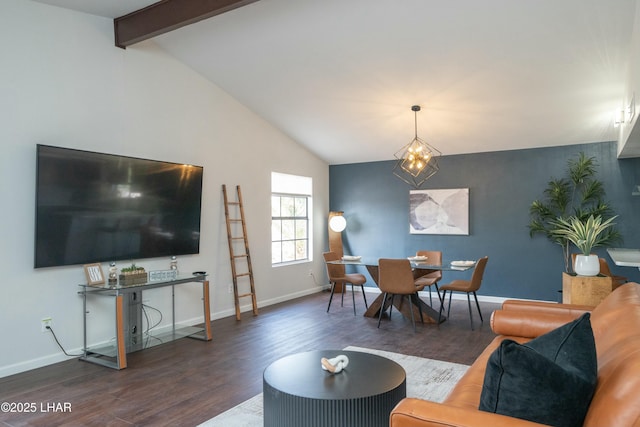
x: 340, y: 76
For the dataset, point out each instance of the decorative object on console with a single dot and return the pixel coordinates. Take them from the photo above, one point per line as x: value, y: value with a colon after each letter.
x: 93, y: 273
x: 113, y: 274
x: 132, y: 275
x: 174, y: 263
x: 417, y: 161
x: 336, y: 364
x: 162, y: 275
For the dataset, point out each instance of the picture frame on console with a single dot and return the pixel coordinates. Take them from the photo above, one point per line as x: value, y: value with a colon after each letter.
x: 94, y: 274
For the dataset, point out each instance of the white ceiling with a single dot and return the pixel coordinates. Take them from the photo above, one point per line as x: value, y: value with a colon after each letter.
x: 340, y: 76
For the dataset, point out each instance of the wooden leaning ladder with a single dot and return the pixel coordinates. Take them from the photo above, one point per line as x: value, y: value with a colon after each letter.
x: 237, y: 258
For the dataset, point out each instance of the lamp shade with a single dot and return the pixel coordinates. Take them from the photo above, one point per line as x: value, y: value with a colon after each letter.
x: 338, y: 223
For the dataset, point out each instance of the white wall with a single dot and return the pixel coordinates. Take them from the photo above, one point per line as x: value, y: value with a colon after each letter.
x: 64, y: 83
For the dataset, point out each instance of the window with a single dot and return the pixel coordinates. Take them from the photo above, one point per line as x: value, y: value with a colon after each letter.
x: 290, y: 220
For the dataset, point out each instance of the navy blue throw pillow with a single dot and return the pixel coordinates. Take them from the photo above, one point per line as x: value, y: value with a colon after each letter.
x: 549, y: 380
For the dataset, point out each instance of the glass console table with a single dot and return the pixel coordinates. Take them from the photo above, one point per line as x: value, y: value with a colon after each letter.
x: 130, y: 336
x: 625, y: 257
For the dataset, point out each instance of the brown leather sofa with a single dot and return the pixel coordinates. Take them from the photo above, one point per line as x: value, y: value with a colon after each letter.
x: 616, y: 329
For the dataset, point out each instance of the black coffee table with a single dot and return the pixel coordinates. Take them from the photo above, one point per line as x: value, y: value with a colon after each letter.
x: 298, y: 392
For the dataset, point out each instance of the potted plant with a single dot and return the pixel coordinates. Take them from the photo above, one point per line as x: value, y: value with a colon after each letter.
x: 579, y: 194
x: 585, y: 235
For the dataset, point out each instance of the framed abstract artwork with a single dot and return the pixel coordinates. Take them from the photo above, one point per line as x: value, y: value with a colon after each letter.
x: 439, y: 211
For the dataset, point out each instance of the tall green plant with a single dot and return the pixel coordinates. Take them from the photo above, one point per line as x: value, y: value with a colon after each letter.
x: 579, y: 194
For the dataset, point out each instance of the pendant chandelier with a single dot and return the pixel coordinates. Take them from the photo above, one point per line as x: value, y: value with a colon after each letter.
x: 417, y: 161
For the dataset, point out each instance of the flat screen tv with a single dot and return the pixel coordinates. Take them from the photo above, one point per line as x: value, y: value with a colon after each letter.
x: 95, y: 207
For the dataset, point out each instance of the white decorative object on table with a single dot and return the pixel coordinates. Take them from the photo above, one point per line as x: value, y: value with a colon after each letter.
x: 462, y: 263
x: 335, y: 365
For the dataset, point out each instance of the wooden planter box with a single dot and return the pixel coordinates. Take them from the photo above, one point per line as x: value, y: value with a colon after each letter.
x: 585, y: 290
x: 133, y: 278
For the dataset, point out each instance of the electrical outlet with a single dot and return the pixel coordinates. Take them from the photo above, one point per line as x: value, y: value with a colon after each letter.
x: 46, y: 322
x: 229, y: 288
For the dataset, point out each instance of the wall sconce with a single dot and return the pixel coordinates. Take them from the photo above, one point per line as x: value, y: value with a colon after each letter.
x: 337, y: 223
x: 618, y: 118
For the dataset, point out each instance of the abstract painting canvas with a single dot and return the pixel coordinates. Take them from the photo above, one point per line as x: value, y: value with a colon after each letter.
x: 439, y: 211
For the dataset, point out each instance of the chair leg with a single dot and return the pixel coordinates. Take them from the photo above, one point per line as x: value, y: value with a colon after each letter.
x: 343, y: 285
x: 438, y: 291
x: 478, y: 305
x: 333, y: 287
x: 384, y: 300
x: 364, y: 296
x: 393, y: 297
x: 353, y: 299
x: 449, y: 309
x: 470, y: 314
x: 430, y: 300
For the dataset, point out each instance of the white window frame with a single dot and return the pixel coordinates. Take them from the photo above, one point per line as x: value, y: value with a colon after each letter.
x: 295, y: 186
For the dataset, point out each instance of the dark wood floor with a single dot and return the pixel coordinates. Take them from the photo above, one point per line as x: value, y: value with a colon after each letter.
x: 186, y: 382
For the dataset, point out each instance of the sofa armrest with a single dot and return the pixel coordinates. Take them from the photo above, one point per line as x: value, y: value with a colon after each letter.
x: 528, y: 324
x: 411, y: 412
x: 546, y: 307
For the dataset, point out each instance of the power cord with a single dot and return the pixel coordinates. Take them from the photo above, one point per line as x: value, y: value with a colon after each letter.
x: 60, y: 345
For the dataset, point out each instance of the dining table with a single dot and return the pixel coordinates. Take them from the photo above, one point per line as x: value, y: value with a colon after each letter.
x: 419, y: 268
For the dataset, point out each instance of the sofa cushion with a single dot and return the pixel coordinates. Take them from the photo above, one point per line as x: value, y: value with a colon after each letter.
x: 550, y: 379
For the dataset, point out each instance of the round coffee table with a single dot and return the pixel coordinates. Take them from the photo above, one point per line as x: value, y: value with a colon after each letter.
x: 298, y: 392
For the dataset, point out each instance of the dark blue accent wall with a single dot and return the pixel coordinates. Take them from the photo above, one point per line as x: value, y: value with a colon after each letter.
x: 502, y: 185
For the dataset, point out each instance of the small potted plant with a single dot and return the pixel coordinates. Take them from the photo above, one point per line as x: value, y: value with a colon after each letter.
x: 132, y: 275
x: 585, y: 235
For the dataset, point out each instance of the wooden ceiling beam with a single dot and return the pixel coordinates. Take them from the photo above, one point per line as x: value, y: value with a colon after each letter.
x: 168, y: 15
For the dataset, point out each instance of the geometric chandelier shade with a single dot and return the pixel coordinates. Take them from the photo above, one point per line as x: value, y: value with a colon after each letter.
x: 417, y: 161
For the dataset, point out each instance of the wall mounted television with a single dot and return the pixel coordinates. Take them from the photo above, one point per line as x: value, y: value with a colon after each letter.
x: 96, y: 207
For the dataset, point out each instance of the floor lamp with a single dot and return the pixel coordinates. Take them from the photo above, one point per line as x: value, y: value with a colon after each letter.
x: 337, y: 224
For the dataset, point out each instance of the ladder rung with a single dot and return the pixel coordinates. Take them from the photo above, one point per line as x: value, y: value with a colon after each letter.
x: 245, y: 295
x: 241, y: 256
x: 235, y: 219
x: 233, y: 203
x: 242, y: 274
x: 238, y: 238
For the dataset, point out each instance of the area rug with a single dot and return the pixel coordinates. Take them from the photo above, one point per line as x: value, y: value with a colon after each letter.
x: 426, y: 379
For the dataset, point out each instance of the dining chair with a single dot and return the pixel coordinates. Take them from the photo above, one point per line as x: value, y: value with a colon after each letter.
x: 432, y: 278
x: 338, y: 276
x: 395, y: 277
x: 467, y: 286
